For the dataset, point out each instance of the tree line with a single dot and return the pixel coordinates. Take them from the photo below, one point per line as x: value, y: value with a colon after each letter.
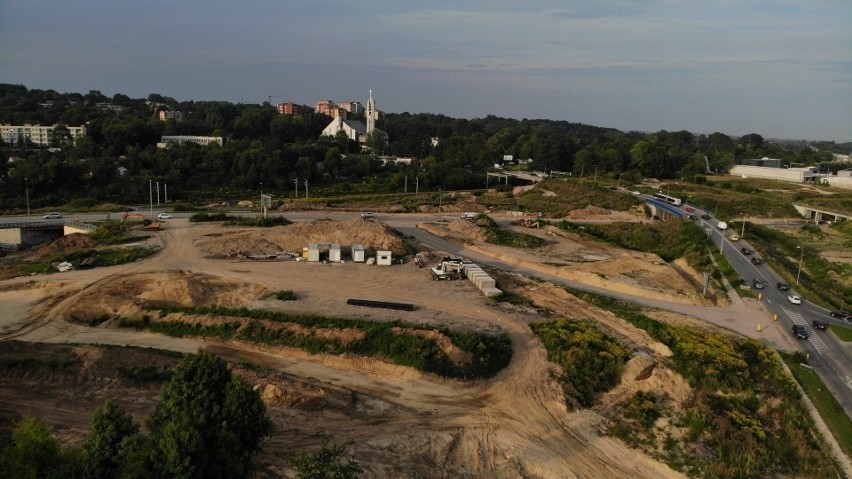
x: 281, y: 152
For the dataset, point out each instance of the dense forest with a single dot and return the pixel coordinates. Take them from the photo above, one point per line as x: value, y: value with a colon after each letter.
x: 263, y: 149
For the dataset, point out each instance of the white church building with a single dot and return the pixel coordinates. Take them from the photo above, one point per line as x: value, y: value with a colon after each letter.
x: 354, y: 130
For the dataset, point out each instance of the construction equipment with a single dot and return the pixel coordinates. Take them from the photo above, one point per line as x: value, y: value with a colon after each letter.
x: 449, y: 269
x: 419, y: 260
x: 530, y: 222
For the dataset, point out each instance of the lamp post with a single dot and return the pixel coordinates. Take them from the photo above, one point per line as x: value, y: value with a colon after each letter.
x: 618, y: 183
x: 596, y: 175
x: 742, y: 234
x: 296, y: 183
x: 801, y: 252
x: 151, y: 197
x: 27, y: 189
x: 440, y: 200
x: 716, y: 209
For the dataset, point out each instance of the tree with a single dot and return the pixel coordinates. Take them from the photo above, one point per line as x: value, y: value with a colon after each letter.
x: 34, y: 452
x: 377, y: 140
x: 111, y: 428
x: 208, y: 424
x: 326, y: 463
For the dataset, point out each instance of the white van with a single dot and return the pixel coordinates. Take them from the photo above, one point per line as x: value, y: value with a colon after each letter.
x: 468, y: 216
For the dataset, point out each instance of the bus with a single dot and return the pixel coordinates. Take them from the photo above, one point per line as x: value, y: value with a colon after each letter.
x: 668, y: 199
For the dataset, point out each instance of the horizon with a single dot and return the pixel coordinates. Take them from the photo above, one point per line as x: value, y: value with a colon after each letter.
x: 780, y: 69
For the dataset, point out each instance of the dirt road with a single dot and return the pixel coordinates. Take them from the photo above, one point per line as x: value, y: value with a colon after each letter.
x: 404, y: 423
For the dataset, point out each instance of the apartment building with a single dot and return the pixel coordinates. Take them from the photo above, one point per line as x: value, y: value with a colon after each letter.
x: 289, y: 108
x: 16, y: 135
x: 183, y: 139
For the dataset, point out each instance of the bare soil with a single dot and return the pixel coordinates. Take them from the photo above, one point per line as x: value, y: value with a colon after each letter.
x: 404, y: 423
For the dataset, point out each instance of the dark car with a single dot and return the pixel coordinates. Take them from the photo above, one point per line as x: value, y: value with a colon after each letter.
x: 819, y: 324
x: 705, y: 217
x: 613, y: 188
x: 783, y: 286
x: 800, y: 331
x: 756, y: 261
x: 844, y: 315
x: 745, y: 251
x: 758, y: 284
x: 692, y: 217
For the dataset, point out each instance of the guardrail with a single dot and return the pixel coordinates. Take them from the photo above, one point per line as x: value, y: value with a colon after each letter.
x: 80, y: 225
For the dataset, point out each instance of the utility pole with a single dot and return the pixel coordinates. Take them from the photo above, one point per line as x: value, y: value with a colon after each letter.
x: 151, y: 197
x: 296, y: 182
x: 306, y: 187
x: 742, y: 235
x: 417, y: 185
x: 166, y: 192
x: 158, y: 193
x: 596, y: 175
x: 406, y: 184
x: 801, y: 252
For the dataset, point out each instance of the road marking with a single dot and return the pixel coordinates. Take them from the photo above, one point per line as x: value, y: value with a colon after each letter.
x: 815, y: 340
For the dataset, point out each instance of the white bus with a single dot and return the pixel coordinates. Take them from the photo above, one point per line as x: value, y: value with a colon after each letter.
x: 668, y: 199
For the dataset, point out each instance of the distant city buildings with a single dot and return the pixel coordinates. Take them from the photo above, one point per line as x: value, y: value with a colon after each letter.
x: 354, y: 130
x: 18, y: 135
x: 184, y: 139
x: 170, y: 115
x: 289, y: 108
x: 109, y: 107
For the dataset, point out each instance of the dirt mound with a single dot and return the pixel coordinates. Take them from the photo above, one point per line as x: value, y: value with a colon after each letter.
x: 65, y: 244
x: 125, y: 295
x: 588, y: 211
x: 292, y: 238
x: 643, y: 373
x: 467, y: 230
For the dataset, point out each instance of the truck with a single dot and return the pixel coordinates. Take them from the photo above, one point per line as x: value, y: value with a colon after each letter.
x: 470, y: 216
x: 722, y: 225
x: 448, y: 269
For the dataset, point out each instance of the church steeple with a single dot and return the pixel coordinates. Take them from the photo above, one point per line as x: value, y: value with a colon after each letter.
x: 372, y: 114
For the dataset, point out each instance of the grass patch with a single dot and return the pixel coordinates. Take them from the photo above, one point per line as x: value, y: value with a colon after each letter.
x: 746, y: 413
x: 591, y: 360
x: 231, y: 220
x: 842, y: 333
x: 102, y: 257
x: 144, y: 374
x: 288, y: 295
x: 495, y: 234
x: 490, y: 353
x: 834, y: 416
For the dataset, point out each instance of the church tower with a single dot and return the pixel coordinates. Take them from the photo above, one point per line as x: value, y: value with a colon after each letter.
x: 372, y: 114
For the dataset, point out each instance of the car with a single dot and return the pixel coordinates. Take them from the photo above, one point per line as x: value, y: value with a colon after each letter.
x: 734, y: 237
x: 745, y: 251
x: 819, y: 325
x: 756, y: 261
x: 844, y: 315
x: 52, y: 216
x: 613, y: 188
x: 164, y: 216
x: 692, y: 217
x: 783, y: 286
x: 758, y: 284
x: 368, y: 215
x: 795, y: 299
x: 705, y: 217
x: 637, y: 193
x: 800, y: 331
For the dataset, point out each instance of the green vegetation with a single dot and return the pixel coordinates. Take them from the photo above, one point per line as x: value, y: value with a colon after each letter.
x: 495, y: 234
x: 208, y: 423
x: 843, y: 333
x: 829, y: 409
x: 326, y: 463
x: 231, y: 220
x: 288, y: 295
x: 489, y: 353
x: 591, y: 360
x: 101, y: 257
x: 113, y: 233
x: 570, y: 195
x: 821, y: 280
x: 745, y: 412
x: 669, y: 240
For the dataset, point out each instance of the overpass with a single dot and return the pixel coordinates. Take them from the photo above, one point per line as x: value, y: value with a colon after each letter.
x: 663, y: 210
x: 24, y: 234
x: 820, y: 214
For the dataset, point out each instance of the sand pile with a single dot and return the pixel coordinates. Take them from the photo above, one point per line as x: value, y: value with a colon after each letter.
x: 72, y: 242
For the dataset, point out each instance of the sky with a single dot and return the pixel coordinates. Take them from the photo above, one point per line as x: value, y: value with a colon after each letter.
x: 779, y: 68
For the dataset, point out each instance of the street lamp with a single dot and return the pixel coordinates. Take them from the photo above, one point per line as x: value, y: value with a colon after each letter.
x: 440, y: 200
x: 27, y: 188
x: 716, y: 209
x: 801, y: 252
x: 618, y: 183
x: 596, y: 175
x: 742, y: 235
x: 151, y: 197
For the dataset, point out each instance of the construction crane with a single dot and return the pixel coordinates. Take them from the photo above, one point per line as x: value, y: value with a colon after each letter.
x: 270, y: 97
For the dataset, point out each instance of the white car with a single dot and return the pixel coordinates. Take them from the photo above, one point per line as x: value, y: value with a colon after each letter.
x: 164, y: 216
x: 368, y: 215
x: 52, y: 216
x: 794, y: 299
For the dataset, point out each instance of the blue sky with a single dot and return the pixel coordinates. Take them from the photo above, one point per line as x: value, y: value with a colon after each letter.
x: 779, y: 68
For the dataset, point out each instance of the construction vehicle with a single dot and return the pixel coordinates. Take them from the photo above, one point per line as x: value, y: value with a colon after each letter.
x: 449, y: 269
x: 530, y: 222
